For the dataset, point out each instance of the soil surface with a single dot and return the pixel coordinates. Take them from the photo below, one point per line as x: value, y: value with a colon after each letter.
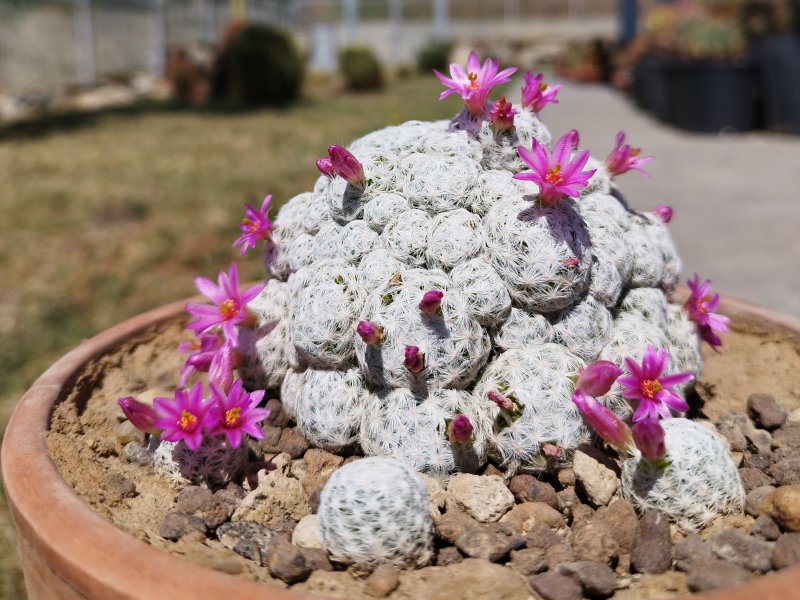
x: 87, y: 440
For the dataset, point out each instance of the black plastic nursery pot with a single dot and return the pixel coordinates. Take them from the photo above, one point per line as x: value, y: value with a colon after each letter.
x: 779, y: 79
x: 650, y: 86
x: 709, y: 97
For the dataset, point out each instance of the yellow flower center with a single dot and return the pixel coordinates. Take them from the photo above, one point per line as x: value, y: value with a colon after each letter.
x: 228, y: 309
x: 233, y: 416
x: 554, y: 176
x: 542, y: 86
x: 650, y: 387
x: 252, y: 226
x: 473, y: 81
x: 187, y: 421
x: 635, y: 151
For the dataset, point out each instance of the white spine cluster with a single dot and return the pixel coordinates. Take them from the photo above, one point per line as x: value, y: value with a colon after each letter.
x: 374, y: 511
x: 699, y: 483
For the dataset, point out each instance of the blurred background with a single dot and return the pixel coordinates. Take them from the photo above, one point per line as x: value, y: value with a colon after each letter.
x: 132, y: 131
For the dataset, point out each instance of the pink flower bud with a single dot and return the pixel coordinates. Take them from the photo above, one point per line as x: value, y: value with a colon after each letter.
x: 220, y: 373
x: 648, y: 435
x: 663, y: 212
x: 415, y: 360
x: 346, y: 166
x: 459, y: 430
x: 623, y: 158
x: 574, y: 138
x: 325, y: 166
x: 552, y: 451
x: 431, y: 302
x: 598, y: 377
x: 604, y: 422
x: 143, y: 416
x: 501, y: 116
x: 501, y: 401
x: 370, y: 333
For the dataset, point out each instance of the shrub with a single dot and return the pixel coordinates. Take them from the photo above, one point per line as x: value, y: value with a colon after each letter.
x: 360, y: 68
x: 257, y: 65
x: 434, y: 55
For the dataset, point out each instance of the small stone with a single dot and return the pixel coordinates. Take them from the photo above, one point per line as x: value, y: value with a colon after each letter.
x: 786, y: 507
x: 277, y: 416
x: 737, y: 458
x: 595, y: 541
x: 176, y: 525
x: 760, y: 441
x: 542, y: 536
x: 276, y: 497
x: 753, y: 478
x: 472, y: 579
x: 317, y: 559
x: 732, y: 427
x: 436, y: 492
x: 786, y: 551
x: 526, y: 488
x: 741, y: 549
x: 529, y: 561
x: 126, y: 433
x: 246, y: 538
x: 118, y: 487
x: 766, y: 411
x: 756, y: 461
x: 491, y: 541
x: 524, y: 516
x: 596, y: 479
x: 493, y: 470
x: 559, y: 553
x: 713, y: 573
x: 621, y: 517
x: 271, y: 436
x: 284, y: 528
x: 382, y: 582
x: 292, y: 442
x: 766, y: 528
x: 691, y: 550
x: 307, y: 533
x: 759, y: 501
x: 319, y: 462
x: 787, y: 438
x: 552, y: 586
x: 652, y: 546
x: 286, y: 561
x: 597, y: 580
x: 192, y: 499
x: 794, y: 417
x: 566, y: 477
x: 449, y: 555
x: 581, y: 513
x: 567, y: 500
x: 722, y: 523
x: 786, y: 470
x: 219, y: 509
x: 485, y: 499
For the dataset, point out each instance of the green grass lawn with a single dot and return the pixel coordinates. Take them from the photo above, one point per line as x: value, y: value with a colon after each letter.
x: 104, y: 220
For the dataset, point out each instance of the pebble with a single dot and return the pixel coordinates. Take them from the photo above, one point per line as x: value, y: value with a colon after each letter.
x: 786, y: 551
x: 652, y: 546
x: 292, y: 442
x: 596, y: 542
x: 759, y: 501
x: 765, y: 528
x: 766, y: 411
x: 559, y: 553
x: 493, y: 470
x: 753, y: 478
x: 382, y: 581
x: 320, y: 463
x: 525, y: 516
x: 277, y: 416
x: 597, y: 480
x: 621, y: 517
x: 756, y: 461
x: 118, y: 487
x: 286, y: 561
x: 714, y: 573
x: 732, y: 427
x: 567, y: 500
x: 787, y: 437
x: 529, y: 561
x: 541, y: 536
x: 553, y: 586
x: 741, y: 549
x: 472, y: 579
x: 759, y: 440
x: 484, y: 498
x: 449, y: 555
x: 271, y: 436
x: 491, y: 541
x: 307, y: 533
x: 275, y: 498
x: 247, y: 538
x: 176, y: 525
x: 581, y: 513
x: 126, y: 432
x: 436, y: 492
x: 192, y: 499
x: 317, y: 559
x: 786, y: 470
x: 786, y: 507
x: 526, y: 488
x: 596, y: 580
x: 220, y: 508
x: 566, y: 477
x: 691, y: 550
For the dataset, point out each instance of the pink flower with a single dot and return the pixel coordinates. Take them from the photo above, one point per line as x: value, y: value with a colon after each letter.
x: 341, y: 162
x: 202, y: 352
x: 501, y: 116
x: 224, y: 362
x: 235, y: 412
x: 536, y: 94
x: 459, y: 430
x: 143, y: 416
x: 229, y: 308
x: 652, y: 390
x: 370, y: 333
x: 623, y: 158
x: 185, y: 417
x: 556, y: 174
x: 414, y: 359
x: 255, y: 226
x: 648, y: 435
x: 431, y: 303
x: 598, y: 377
x: 663, y: 212
x: 552, y: 451
x: 604, y: 422
x: 475, y: 83
x: 700, y: 306
x: 501, y: 401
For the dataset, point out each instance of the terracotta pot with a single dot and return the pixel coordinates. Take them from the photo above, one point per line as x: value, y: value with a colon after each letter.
x: 69, y: 552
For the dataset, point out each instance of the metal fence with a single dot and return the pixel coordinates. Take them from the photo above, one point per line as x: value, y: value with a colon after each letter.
x: 50, y: 43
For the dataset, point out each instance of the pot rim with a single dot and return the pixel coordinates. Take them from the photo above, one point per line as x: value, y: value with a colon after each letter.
x: 98, y: 557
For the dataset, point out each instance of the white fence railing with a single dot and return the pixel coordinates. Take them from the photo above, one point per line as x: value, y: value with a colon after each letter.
x: 50, y: 43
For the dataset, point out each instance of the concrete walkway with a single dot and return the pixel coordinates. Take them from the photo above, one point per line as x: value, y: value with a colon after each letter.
x: 736, y: 196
